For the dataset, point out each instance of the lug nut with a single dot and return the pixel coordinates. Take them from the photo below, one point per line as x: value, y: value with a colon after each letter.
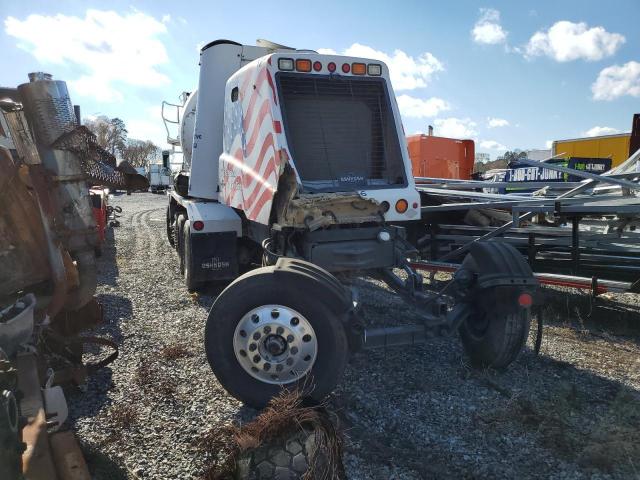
x: 279, y: 368
x: 252, y: 347
x: 279, y: 330
x: 294, y: 350
x: 307, y: 358
x: 243, y: 333
x: 243, y: 353
x: 256, y: 358
x: 266, y: 366
x: 267, y: 329
x: 295, y: 321
x: 255, y: 318
x: 290, y: 338
x: 306, y: 338
x: 275, y: 313
x: 289, y: 361
x: 254, y: 369
x: 256, y: 336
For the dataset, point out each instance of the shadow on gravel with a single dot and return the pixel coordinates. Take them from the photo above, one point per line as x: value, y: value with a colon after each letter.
x: 422, y: 412
x: 600, y: 314
x: 525, y: 423
x: 115, y: 309
x: 107, y: 266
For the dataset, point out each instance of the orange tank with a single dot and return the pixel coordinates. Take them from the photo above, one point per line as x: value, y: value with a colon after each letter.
x: 441, y: 157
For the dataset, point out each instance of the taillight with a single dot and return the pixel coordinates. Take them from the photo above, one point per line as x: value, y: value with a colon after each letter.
x: 317, y: 66
x: 358, y: 68
x: 374, y: 69
x: 525, y: 300
x: 346, y: 67
x: 303, y: 65
x: 198, y: 225
x: 285, y: 64
x: 402, y: 205
x: 331, y: 67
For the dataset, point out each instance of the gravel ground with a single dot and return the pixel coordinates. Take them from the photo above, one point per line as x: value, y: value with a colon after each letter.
x: 407, y: 413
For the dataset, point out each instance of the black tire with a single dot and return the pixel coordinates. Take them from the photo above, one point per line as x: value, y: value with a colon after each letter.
x: 178, y: 239
x: 288, y: 288
x: 495, y: 339
x: 187, y: 273
x: 170, y: 228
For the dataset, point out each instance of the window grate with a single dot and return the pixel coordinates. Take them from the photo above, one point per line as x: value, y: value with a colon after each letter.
x: 341, y: 132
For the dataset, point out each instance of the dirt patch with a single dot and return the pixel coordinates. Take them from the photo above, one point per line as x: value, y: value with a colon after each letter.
x: 155, y: 378
x: 175, y: 351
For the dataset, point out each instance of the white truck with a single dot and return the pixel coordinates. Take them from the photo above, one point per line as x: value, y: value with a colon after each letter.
x: 297, y: 168
x: 159, y: 177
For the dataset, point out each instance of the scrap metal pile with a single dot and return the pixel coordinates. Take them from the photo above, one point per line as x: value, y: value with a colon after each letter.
x: 48, y: 275
x: 587, y: 228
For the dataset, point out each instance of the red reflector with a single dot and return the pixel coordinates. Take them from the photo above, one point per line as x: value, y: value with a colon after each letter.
x: 198, y: 225
x: 331, y: 67
x: 277, y: 126
x: 415, y: 205
x: 317, y: 66
x: 525, y: 300
x: 346, y: 67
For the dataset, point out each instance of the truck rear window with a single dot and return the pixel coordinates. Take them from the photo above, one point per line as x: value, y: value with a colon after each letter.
x: 341, y: 132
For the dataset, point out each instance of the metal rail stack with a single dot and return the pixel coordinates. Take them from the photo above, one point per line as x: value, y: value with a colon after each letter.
x: 587, y: 228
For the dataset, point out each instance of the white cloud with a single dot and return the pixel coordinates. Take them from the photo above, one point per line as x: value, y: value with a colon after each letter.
x: 487, y: 29
x: 166, y: 18
x: 419, y: 108
x: 616, y: 81
x: 108, y: 48
x: 566, y: 41
x: 597, y: 131
x: 148, y: 127
x: 492, y: 145
x: 497, y: 122
x: 453, y: 127
x: 407, y: 72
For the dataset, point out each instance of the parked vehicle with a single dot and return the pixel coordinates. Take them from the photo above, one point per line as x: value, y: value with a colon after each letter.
x: 618, y: 147
x: 441, y: 157
x: 298, y: 163
x: 99, y: 202
x: 159, y: 177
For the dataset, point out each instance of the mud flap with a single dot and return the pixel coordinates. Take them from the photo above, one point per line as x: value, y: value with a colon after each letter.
x: 214, y: 256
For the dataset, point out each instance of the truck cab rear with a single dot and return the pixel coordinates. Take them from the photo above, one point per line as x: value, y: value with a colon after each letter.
x: 312, y: 145
x: 298, y: 164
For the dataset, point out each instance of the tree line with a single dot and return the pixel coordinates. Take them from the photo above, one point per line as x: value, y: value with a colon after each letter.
x: 112, y: 135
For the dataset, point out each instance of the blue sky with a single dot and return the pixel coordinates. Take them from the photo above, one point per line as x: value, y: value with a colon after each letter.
x: 508, y: 74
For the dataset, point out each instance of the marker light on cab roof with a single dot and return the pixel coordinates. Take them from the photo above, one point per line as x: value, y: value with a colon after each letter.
x: 303, y: 65
x: 285, y: 64
x: 374, y: 69
x: 358, y: 68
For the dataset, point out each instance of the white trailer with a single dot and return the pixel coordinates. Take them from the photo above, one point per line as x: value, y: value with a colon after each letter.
x: 159, y: 177
x: 298, y: 167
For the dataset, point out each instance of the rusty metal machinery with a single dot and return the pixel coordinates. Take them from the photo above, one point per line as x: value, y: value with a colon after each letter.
x: 11, y: 446
x: 98, y: 164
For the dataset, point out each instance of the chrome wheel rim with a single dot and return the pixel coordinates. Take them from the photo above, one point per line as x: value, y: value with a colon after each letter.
x: 275, y: 344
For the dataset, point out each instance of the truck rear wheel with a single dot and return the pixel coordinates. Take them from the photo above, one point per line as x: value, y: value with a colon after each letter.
x: 178, y: 227
x: 187, y: 261
x: 271, y: 329
x: 170, y: 228
x: 495, y: 339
